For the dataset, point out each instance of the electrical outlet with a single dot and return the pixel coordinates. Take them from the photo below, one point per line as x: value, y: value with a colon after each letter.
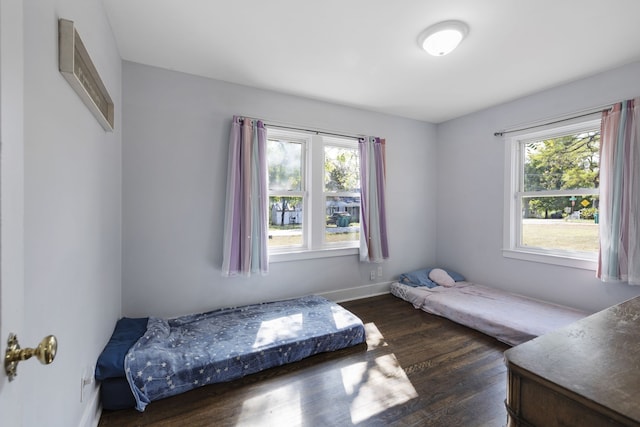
x: 372, y: 275
x: 86, y: 378
x: 379, y: 271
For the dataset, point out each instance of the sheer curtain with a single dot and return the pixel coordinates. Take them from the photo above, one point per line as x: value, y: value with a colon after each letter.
x: 619, y: 258
x: 245, y: 226
x: 373, y: 233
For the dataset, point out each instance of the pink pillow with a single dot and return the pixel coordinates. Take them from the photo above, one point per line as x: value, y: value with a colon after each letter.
x: 441, y: 277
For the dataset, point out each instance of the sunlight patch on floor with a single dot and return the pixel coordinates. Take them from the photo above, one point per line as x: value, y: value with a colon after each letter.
x: 279, y: 329
x: 376, y: 386
x: 279, y: 407
x: 374, y: 337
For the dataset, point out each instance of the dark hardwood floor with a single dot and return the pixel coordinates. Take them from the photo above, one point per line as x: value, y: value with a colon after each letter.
x: 415, y: 370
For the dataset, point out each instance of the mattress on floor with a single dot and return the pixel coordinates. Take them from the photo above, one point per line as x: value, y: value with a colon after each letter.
x: 180, y: 354
x: 510, y: 318
x: 115, y: 394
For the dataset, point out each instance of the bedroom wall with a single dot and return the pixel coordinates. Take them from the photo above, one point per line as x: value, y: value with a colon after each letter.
x: 175, y: 139
x: 470, y: 194
x: 72, y: 203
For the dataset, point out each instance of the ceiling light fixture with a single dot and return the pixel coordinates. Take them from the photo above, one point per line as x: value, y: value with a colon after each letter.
x: 443, y: 37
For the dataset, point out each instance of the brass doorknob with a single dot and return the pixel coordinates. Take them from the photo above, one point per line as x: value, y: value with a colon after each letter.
x: 45, y: 353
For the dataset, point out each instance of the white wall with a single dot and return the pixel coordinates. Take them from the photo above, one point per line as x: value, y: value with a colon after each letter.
x: 72, y: 196
x: 175, y: 139
x: 470, y: 194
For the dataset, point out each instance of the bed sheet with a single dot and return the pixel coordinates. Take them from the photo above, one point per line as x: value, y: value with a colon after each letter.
x: 510, y: 318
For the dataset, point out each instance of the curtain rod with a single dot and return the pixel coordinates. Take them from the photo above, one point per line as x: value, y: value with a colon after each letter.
x: 576, y: 115
x: 316, y: 131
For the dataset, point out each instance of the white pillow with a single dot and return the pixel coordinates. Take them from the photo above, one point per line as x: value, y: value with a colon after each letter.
x: 441, y: 277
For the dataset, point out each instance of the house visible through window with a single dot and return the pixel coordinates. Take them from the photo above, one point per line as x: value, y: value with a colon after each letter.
x: 552, y: 201
x: 314, y: 192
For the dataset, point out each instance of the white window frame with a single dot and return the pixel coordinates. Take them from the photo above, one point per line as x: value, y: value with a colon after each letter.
x: 514, y: 168
x: 313, y: 216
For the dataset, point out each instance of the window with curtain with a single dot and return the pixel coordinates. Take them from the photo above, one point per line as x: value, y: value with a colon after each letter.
x: 295, y: 194
x: 573, y: 194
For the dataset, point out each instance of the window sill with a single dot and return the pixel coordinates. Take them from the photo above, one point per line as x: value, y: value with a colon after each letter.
x: 313, y: 254
x: 576, y: 261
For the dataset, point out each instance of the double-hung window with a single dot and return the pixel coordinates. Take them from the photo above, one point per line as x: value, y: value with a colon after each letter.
x: 551, y: 209
x: 314, y: 195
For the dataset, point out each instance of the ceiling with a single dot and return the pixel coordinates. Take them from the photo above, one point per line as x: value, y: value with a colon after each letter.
x: 364, y: 53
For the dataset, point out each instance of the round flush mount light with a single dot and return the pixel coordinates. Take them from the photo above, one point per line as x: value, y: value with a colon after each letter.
x: 443, y: 37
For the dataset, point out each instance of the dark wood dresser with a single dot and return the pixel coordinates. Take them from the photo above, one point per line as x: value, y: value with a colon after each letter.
x: 586, y: 374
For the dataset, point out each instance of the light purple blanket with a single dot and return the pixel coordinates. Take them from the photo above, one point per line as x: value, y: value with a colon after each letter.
x: 510, y: 318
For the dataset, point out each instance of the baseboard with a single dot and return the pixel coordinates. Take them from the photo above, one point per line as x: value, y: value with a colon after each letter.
x: 358, y: 292
x: 93, y: 410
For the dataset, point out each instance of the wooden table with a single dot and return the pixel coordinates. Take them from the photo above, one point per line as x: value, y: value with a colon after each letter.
x: 586, y: 374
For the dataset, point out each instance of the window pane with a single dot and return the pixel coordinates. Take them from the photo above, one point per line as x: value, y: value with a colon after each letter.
x: 343, y: 219
x: 565, y: 223
x: 285, y: 221
x: 341, y: 169
x: 284, y: 159
x: 566, y: 162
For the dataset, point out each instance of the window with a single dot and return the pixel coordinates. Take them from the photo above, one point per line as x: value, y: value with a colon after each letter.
x: 552, y: 195
x: 314, y: 194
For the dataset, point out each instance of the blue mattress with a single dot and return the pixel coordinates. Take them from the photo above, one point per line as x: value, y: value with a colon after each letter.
x: 180, y: 354
x: 115, y: 392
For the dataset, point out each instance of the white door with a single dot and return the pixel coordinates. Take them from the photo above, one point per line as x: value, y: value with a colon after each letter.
x: 11, y: 198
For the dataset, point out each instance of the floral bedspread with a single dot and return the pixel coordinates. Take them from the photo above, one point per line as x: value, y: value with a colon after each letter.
x: 180, y: 354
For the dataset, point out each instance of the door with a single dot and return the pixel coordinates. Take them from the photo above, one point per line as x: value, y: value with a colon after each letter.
x: 11, y: 197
